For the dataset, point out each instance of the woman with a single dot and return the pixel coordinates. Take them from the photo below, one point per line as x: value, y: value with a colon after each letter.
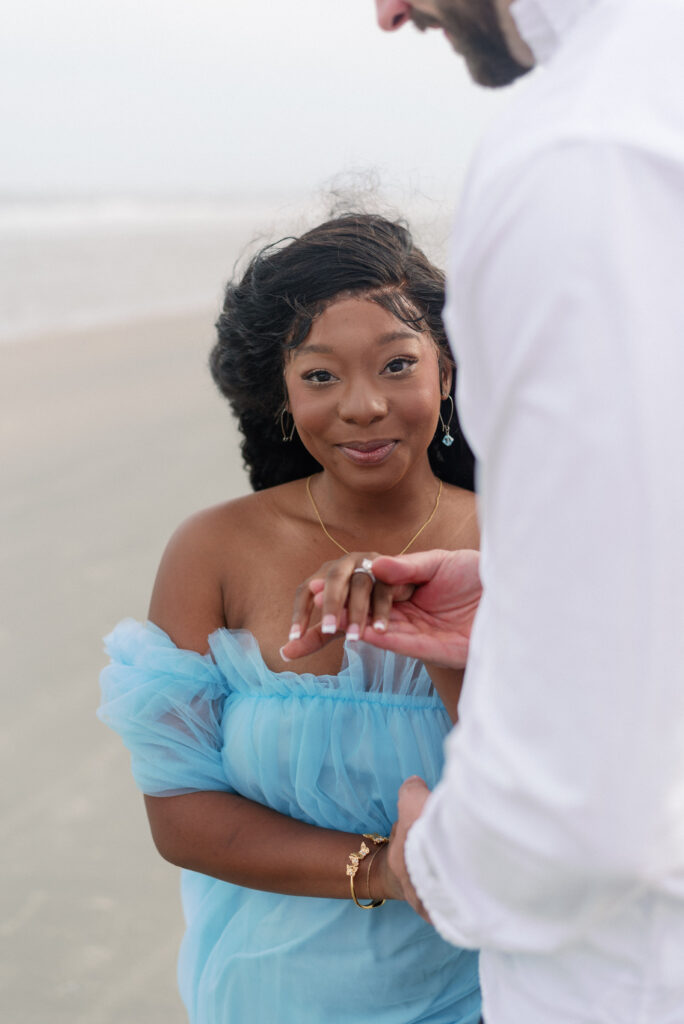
x: 258, y: 780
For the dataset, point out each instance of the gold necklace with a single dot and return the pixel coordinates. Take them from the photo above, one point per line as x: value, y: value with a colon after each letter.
x: 346, y: 550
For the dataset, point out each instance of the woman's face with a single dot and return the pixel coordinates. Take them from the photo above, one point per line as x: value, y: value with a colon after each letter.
x: 364, y: 390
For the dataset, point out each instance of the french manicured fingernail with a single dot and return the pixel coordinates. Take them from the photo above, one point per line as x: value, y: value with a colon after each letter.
x: 329, y: 624
x: 379, y: 626
x: 353, y: 633
x: 283, y: 656
x: 295, y: 632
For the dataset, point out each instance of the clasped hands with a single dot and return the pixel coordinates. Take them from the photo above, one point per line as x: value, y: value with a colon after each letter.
x: 420, y: 605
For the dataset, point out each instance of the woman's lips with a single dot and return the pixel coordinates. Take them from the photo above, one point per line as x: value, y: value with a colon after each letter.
x: 367, y: 453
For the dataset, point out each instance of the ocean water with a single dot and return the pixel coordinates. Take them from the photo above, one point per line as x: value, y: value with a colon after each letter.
x: 78, y: 264
x: 84, y: 263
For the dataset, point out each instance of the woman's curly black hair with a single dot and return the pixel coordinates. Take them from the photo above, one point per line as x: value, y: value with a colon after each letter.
x: 272, y: 308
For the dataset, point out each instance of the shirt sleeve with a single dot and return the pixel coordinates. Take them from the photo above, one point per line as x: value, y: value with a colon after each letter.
x: 563, y: 791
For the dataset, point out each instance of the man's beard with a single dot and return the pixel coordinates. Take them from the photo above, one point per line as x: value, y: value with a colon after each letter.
x: 474, y: 30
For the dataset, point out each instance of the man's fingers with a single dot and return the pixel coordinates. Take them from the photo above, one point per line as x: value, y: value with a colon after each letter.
x: 418, y: 568
x: 412, y: 796
x: 414, y: 788
x: 424, y: 566
x: 412, y: 782
x: 416, y: 645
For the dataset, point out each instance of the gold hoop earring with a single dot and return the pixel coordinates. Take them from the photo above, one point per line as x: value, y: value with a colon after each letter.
x: 447, y: 439
x: 287, y: 435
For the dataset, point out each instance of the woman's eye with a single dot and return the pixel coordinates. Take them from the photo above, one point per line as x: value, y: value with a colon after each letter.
x: 319, y: 376
x: 400, y: 364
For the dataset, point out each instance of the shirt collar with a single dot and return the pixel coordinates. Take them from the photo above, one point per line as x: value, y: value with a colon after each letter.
x: 544, y: 23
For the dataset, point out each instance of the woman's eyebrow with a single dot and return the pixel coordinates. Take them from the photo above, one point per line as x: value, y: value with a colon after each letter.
x: 384, y: 339
x: 304, y: 349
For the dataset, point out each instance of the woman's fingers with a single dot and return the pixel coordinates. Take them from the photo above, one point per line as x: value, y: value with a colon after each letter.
x: 383, y: 598
x: 348, y: 597
x: 336, y: 592
x: 359, y: 600
x: 331, y: 583
x: 301, y: 611
x: 347, y: 587
x: 311, y: 641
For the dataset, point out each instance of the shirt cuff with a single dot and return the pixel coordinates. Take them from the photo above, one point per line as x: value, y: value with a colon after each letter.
x: 422, y: 872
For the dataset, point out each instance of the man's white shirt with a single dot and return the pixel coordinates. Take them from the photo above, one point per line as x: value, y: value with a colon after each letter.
x: 555, y: 841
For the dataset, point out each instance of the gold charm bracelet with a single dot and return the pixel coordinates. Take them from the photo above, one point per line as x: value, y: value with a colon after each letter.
x: 356, y: 858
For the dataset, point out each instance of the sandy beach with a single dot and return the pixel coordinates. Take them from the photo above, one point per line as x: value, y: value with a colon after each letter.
x: 108, y: 439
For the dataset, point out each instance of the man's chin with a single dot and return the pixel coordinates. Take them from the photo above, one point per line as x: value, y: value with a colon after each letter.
x: 494, y: 74
x: 453, y: 42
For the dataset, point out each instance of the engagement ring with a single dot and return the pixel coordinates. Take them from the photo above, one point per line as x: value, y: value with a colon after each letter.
x: 366, y: 569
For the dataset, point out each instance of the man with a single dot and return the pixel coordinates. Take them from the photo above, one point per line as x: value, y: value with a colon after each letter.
x: 555, y: 840
x: 483, y: 33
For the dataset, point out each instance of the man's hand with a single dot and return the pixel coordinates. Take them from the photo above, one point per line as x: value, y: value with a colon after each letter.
x: 412, y: 797
x: 435, y: 621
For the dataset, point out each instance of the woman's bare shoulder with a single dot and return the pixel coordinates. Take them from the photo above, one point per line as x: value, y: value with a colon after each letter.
x: 188, y: 598
x: 460, y: 522
x: 226, y: 525
x: 202, y: 544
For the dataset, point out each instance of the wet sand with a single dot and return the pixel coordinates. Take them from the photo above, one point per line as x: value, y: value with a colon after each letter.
x: 108, y: 439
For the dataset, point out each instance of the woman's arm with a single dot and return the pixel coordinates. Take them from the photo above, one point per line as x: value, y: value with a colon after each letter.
x: 234, y: 839
x: 222, y: 834
x: 448, y: 683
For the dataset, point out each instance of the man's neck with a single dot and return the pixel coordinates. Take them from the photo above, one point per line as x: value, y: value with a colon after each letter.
x: 517, y: 46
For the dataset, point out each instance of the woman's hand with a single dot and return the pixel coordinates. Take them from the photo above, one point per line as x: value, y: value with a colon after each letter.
x: 349, y: 599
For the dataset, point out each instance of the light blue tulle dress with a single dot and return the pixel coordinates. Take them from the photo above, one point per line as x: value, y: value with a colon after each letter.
x: 329, y: 750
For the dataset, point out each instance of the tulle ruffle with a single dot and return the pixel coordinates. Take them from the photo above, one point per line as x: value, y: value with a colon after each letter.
x: 330, y: 750
x: 167, y: 705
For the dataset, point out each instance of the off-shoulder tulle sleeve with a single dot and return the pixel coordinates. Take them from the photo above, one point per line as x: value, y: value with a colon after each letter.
x: 167, y: 705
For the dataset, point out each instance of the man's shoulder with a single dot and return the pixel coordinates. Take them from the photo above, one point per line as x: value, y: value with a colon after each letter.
x: 618, y: 84
x: 617, y: 81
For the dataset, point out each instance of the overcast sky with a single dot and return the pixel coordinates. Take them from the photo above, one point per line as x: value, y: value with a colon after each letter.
x: 225, y: 96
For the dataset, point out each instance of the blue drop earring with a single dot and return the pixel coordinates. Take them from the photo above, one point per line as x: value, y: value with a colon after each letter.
x: 447, y: 440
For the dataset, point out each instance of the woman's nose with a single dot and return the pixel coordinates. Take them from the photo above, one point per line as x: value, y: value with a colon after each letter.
x: 362, y: 404
x: 392, y: 14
